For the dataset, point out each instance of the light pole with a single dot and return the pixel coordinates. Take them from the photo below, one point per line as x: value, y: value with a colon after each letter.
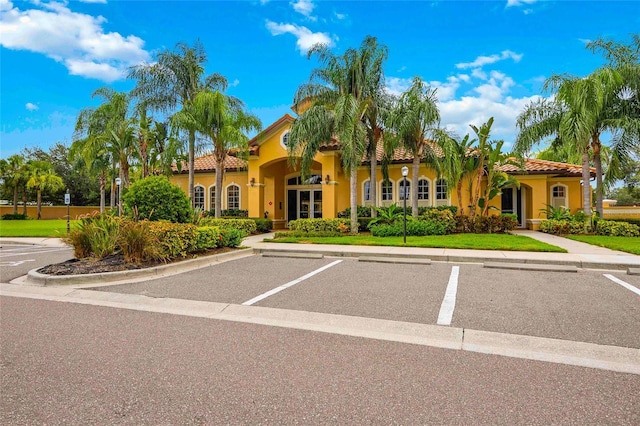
x: 67, y: 201
x: 405, y: 172
x: 118, y: 182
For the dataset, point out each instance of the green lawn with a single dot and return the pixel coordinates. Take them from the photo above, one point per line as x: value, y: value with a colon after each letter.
x: 455, y: 241
x: 34, y: 228
x: 627, y: 244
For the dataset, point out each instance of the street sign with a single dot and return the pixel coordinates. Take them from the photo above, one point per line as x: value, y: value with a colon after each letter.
x: 67, y: 199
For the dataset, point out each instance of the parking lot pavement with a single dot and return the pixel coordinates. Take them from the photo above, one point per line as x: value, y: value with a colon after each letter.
x: 234, y: 281
x: 584, y: 306
x: 82, y: 364
x: 18, y: 259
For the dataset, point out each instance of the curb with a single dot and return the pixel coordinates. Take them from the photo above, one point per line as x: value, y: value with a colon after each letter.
x: 36, y: 278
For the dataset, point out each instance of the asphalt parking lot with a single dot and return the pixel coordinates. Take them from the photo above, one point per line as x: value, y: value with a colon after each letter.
x: 18, y: 259
x: 585, y: 306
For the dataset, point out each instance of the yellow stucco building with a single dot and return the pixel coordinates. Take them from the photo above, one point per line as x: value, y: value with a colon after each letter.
x: 267, y: 185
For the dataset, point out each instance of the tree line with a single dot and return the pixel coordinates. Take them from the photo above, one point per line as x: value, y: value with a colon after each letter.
x: 176, y: 111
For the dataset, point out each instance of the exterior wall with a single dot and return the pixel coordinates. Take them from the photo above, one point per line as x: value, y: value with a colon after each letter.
x: 206, y: 180
x: 622, y: 212
x: 54, y: 212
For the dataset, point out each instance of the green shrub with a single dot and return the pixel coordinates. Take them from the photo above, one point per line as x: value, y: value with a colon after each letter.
x: 247, y: 226
x: 444, y: 217
x: 209, y: 237
x: 363, y: 211
x: 263, y: 225
x: 16, y: 216
x: 231, y: 237
x: 563, y: 227
x: 174, y: 239
x: 631, y: 221
x: 318, y: 225
x: 486, y: 224
x: 155, y: 198
x: 363, y: 223
x: 302, y: 234
x: 414, y: 228
x: 95, y: 235
x: 617, y: 229
x: 229, y: 213
x: 136, y: 242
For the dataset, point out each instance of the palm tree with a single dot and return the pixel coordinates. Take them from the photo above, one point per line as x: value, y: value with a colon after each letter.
x: 223, y: 121
x: 174, y: 80
x: 339, y: 93
x: 578, y: 114
x: 459, y: 165
x: 416, y: 121
x: 13, y: 174
x: 95, y: 159
x: 40, y: 176
x: 106, y: 133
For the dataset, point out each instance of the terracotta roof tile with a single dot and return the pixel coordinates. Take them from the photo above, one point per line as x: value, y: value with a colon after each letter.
x: 535, y: 166
x: 207, y: 164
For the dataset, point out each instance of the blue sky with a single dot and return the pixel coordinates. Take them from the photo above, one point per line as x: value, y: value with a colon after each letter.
x: 487, y: 58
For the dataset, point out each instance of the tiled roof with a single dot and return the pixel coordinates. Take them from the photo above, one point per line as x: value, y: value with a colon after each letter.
x: 207, y: 164
x: 535, y: 166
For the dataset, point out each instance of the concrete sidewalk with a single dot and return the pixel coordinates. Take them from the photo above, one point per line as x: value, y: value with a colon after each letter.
x: 579, y: 254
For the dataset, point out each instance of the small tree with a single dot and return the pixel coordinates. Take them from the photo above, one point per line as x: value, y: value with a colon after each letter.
x: 40, y: 176
x: 155, y: 198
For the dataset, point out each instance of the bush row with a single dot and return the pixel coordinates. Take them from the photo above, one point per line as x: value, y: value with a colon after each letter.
x: 617, y: 229
x: 414, y: 228
x: 139, y: 241
x: 365, y: 211
x: 486, y: 224
x: 248, y: 226
x: 564, y: 227
x: 15, y: 216
x: 319, y: 225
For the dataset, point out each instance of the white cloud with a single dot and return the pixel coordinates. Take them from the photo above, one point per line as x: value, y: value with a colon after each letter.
x: 339, y: 16
x: 31, y: 107
x: 396, y: 86
x: 519, y: 2
x: 234, y: 83
x: 485, y: 60
x: 306, y: 38
x: 304, y: 7
x: 445, y: 90
x: 75, y: 39
x: 93, y: 1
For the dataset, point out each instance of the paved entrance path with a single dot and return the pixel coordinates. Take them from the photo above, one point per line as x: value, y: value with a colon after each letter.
x: 573, y: 247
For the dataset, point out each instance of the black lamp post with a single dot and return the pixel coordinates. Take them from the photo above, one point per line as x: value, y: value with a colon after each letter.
x: 118, y: 182
x: 405, y: 172
x: 67, y: 201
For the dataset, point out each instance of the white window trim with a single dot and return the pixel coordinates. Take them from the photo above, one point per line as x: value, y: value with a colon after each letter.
x: 566, y: 194
x: 282, y: 144
x: 444, y: 201
x: 393, y: 192
x: 364, y: 201
x: 211, y: 201
x: 204, y: 194
x: 430, y: 193
x: 226, y: 198
x: 400, y: 181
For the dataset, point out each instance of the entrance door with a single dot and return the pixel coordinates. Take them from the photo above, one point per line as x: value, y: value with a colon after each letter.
x: 304, y: 203
x: 512, y: 202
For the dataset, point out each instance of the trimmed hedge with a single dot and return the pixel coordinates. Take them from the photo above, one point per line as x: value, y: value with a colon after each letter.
x: 563, y: 227
x: 617, y: 229
x: 486, y: 224
x: 319, y: 225
x: 174, y: 239
x: 414, y: 228
x: 263, y: 225
x: 247, y: 226
x: 209, y: 237
x: 155, y: 198
x: 302, y: 234
x: 16, y: 216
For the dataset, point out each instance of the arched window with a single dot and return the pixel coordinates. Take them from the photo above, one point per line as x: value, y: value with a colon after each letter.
x: 366, y: 191
x: 212, y: 197
x: 386, y: 193
x: 233, y: 197
x: 284, y: 139
x: 402, y: 191
x: 559, y: 196
x: 441, y: 189
x: 198, y: 196
x: 423, y: 189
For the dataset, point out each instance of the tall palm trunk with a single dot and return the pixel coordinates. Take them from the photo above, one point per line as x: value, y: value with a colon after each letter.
x: 112, y: 198
x: 219, y: 178
x: 415, y: 170
x: 24, y: 201
x: 15, y: 199
x: 103, y: 184
x: 353, y: 184
x: 192, y: 163
x: 373, y: 179
x: 39, y: 203
x: 597, y: 161
x: 459, y: 193
x: 586, y: 185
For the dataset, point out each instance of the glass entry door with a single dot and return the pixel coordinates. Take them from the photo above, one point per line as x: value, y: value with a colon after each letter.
x: 304, y: 203
x: 512, y: 202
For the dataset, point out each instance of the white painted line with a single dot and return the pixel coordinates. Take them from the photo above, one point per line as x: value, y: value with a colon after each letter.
x: 623, y: 284
x: 449, y: 302
x: 289, y: 284
x: 33, y: 252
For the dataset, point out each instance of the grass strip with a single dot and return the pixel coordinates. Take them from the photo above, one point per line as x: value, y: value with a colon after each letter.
x: 505, y: 242
x: 56, y: 228
x: 626, y: 244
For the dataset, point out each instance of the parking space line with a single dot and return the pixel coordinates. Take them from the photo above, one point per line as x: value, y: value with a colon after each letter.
x: 33, y: 252
x: 449, y: 302
x: 623, y: 284
x: 289, y: 284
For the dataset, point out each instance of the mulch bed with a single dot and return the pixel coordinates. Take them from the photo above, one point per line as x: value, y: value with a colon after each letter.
x: 112, y: 263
